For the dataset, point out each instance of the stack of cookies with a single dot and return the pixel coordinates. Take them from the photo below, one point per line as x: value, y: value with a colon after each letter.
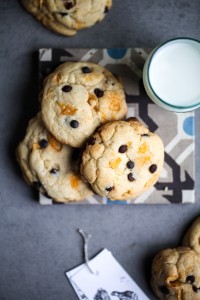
x: 66, y: 17
x: 79, y: 143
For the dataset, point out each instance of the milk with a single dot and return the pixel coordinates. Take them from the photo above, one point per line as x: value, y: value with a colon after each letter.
x: 172, y: 77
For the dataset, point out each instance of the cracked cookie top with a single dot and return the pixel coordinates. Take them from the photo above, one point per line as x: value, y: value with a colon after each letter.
x: 68, y: 16
x: 49, y: 166
x: 78, y: 97
x: 122, y: 159
x: 176, y: 274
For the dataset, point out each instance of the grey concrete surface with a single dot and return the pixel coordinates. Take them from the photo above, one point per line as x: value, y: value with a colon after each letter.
x: 38, y: 244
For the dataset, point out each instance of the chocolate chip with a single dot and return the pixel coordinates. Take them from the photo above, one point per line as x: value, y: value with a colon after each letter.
x: 130, y: 177
x: 86, y: 70
x: 67, y: 88
x: 130, y: 164
x: 145, y: 134
x: 190, y: 279
x: 36, y: 184
x: 54, y: 171
x: 106, y: 10
x: 69, y: 4
x: 99, y: 93
x: 196, y: 289
x: 110, y: 188
x: 74, y: 124
x: 164, y: 290
x: 153, y: 168
x: 91, y: 141
x: 122, y: 148
x: 63, y: 14
x: 43, y: 143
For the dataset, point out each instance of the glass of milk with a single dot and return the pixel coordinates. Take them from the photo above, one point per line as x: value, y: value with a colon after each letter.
x: 171, y: 75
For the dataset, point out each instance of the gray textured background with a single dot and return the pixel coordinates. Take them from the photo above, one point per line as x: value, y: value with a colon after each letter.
x: 37, y: 244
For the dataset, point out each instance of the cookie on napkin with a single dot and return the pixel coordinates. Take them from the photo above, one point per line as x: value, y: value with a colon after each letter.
x: 122, y: 159
x: 78, y: 97
x: 49, y: 166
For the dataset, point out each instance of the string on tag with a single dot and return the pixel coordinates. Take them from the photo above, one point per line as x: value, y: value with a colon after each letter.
x: 86, y: 238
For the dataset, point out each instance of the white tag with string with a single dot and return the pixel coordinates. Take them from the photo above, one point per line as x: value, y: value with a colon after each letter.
x: 103, y: 278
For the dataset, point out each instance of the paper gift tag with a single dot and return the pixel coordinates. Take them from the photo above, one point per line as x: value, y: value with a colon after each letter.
x: 108, y: 282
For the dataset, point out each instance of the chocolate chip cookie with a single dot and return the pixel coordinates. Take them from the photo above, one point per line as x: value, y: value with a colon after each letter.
x: 68, y: 16
x: 122, y: 159
x: 78, y: 97
x: 192, y: 236
x: 49, y: 166
x: 176, y: 274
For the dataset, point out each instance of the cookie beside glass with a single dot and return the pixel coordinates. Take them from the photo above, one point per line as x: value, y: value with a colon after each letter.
x: 83, y: 105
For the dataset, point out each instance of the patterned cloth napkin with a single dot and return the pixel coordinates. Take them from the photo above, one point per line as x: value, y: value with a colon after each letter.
x: 176, y: 183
